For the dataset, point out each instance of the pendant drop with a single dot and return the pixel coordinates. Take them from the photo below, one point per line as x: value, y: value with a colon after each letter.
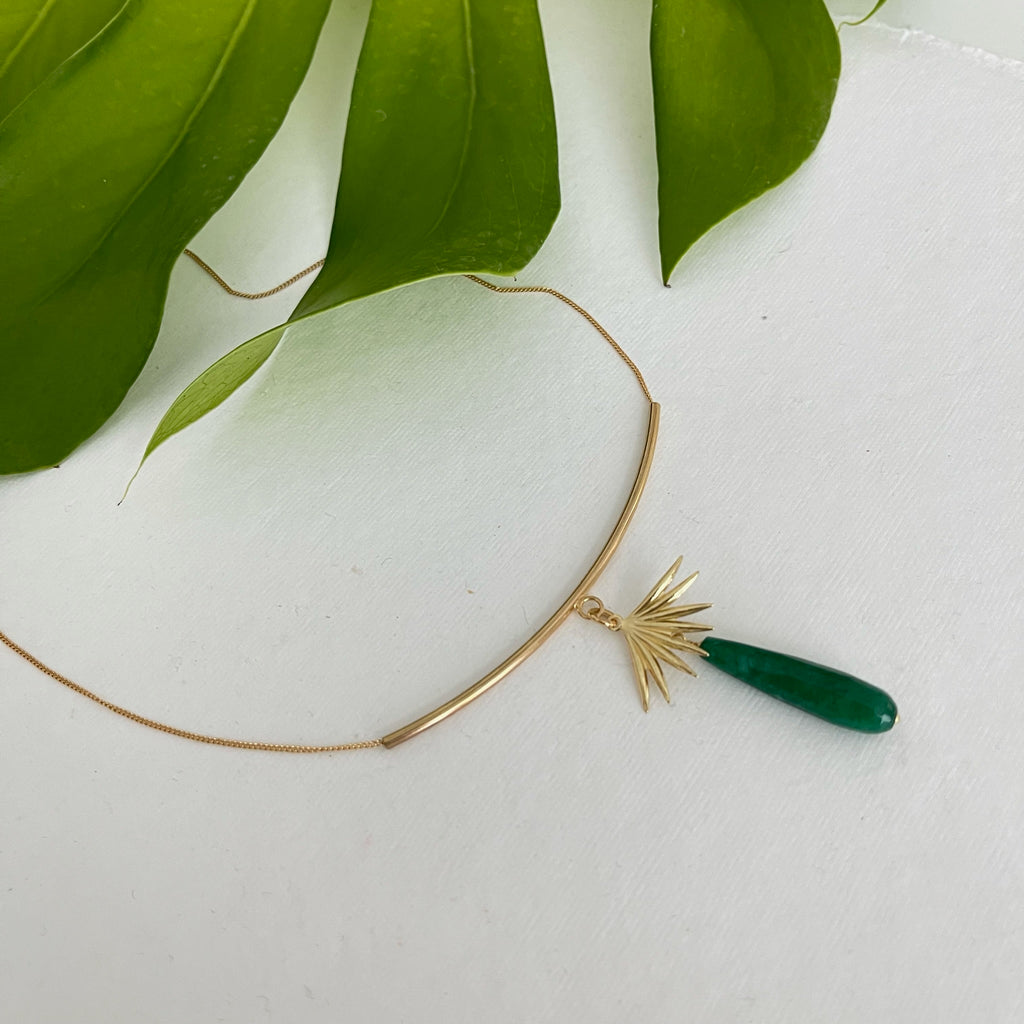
x: 837, y: 697
x: 656, y: 631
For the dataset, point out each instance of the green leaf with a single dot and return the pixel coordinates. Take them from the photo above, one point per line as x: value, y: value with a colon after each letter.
x: 743, y: 90
x: 450, y: 161
x: 213, y: 385
x: 36, y: 36
x: 449, y: 167
x: 107, y: 170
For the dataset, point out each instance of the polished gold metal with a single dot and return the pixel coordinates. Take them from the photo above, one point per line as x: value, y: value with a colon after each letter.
x: 654, y: 631
x: 514, y: 660
x: 589, y: 607
x: 443, y: 711
x: 593, y: 608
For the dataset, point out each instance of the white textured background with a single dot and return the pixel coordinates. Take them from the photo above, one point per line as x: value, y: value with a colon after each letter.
x: 412, y: 486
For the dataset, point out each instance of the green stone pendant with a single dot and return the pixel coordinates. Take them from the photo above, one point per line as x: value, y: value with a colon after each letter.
x: 835, y: 696
x: 659, y: 632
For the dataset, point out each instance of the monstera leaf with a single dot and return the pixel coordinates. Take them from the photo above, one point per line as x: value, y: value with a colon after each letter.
x: 743, y: 90
x: 434, y: 181
x: 107, y: 168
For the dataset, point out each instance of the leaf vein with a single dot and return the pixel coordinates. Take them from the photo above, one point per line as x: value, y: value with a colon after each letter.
x: 467, y: 134
x: 20, y: 45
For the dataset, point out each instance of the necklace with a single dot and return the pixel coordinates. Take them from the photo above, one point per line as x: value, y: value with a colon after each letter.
x: 658, y: 632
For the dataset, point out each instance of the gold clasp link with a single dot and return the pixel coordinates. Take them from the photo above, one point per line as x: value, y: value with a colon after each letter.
x: 593, y: 608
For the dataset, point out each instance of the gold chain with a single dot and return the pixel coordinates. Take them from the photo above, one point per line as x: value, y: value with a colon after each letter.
x: 185, y: 734
x: 500, y: 289
x: 527, y: 288
x: 252, y: 295
x: 297, y: 748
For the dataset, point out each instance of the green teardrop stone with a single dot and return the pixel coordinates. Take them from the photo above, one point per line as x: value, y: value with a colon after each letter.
x: 835, y: 696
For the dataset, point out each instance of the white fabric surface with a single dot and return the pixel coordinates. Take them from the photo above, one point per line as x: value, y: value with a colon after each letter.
x: 415, y: 482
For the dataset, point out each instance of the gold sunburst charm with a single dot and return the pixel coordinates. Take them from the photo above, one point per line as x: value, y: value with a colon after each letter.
x: 654, y: 630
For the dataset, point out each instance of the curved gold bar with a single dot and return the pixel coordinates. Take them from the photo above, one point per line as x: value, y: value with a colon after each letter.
x: 406, y: 732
